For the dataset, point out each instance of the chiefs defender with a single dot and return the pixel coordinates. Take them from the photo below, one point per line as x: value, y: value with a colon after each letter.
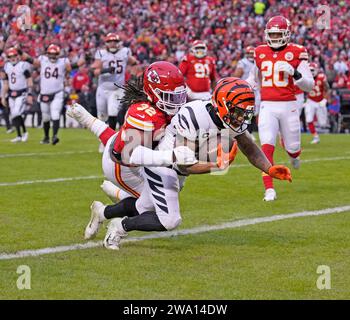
x: 316, y: 102
x: 279, y: 66
x: 152, y: 104
x: 199, y: 70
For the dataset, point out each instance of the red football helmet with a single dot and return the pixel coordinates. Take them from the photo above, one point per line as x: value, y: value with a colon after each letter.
x: 199, y: 49
x: 249, y: 53
x: 277, y: 32
x: 113, y: 42
x: 233, y: 98
x: 53, y: 51
x: 313, y: 68
x: 164, y: 85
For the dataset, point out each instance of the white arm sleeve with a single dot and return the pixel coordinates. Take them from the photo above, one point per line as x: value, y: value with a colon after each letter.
x: 306, y: 82
x: 142, y: 156
x: 253, y: 78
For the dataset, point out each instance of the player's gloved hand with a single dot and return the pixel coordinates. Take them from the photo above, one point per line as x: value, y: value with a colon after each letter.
x: 184, y: 156
x: 280, y: 172
x: 323, y: 103
x: 233, y: 152
x: 286, y: 67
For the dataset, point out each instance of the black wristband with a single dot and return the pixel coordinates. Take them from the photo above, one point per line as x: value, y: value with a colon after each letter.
x: 297, y: 75
x: 30, y: 60
x: 108, y: 70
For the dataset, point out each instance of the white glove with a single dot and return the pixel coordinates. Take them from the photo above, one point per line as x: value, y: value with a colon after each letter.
x: 323, y: 103
x: 286, y: 67
x: 184, y: 156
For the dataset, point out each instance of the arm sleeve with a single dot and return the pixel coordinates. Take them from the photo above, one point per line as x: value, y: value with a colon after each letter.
x: 143, y: 156
x: 253, y: 78
x: 306, y: 82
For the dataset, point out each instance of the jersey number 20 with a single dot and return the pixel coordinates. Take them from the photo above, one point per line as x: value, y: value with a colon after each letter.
x: 271, y: 77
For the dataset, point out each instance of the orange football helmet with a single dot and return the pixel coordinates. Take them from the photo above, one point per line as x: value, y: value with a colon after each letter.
x: 234, y: 101
x: 113, y: 42
x: 53, y: 51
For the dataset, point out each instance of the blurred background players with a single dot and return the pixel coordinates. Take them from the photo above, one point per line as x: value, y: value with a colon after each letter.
x: 17, y: 87
x: 316, y: 102
x: 243, y: 68
x: 53, y: 70
x: 199, y: 70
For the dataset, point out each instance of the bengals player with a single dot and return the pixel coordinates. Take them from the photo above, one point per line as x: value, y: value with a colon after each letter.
x: 316, y: 102
x: 199, y: 69
x: 279, y: 66
x: 152, y: 103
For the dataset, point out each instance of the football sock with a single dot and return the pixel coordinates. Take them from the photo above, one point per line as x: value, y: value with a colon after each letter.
x: 147, y: 221
x: 124, y: 208
x: 17, y: 124
x: 312, y: 128
x: 46, y: 126
x: 22, y: 124
x: 56, y: 126
x: 268, y: 149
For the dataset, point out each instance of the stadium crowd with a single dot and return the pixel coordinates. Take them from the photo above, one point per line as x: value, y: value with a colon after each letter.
x: 163, y: 30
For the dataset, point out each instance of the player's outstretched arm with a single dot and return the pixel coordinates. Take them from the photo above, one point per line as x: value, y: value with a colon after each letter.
x: 258, y: 159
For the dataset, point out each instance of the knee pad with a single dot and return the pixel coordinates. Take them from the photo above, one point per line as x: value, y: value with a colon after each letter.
x: 169, y: 223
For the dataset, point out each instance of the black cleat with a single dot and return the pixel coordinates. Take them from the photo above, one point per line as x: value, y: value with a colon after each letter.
x: 46, y: 140
x: 55, y: 140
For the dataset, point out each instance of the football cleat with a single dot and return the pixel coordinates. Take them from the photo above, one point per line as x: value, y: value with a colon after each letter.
x: 295, y: 162
x: 10, y: 130
x: 17, y: 139
x: 101, y: 148
x: 111, y: 190
x: 115, y: 233
x: 46, y: 140
x: 55, y: 140
x: 315, y: 140
x: 270, y: 195
x: 25, y: 137
x: 96, y: 220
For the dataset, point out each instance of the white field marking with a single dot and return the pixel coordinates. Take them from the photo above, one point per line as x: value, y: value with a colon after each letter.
x: 169, y: 234
x: 18, y: 183
x: 33, y: 154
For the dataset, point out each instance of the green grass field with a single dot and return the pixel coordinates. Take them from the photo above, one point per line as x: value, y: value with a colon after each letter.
x: 274, y: 260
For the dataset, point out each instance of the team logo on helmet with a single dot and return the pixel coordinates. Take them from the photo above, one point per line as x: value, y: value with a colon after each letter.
x: 153, y: 76
x: 289, y: 56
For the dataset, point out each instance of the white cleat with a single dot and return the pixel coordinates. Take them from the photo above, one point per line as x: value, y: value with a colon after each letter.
x: 79, y: 113
x: 115, y: 233
x: 25, y: 137
x: 270, y: 195
x: 295, y: 162
x: 10, y: 130
x: 17, y: 139
x: 315, y: 140
x: 97, y: 218
x: 111, y: 190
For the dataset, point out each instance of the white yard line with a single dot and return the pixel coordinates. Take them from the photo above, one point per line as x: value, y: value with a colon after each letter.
x: 18, y: 183
x: 169, y: 234
x: 39, y: 154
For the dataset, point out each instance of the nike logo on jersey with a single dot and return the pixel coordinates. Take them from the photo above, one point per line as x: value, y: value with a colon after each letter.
x: 142, y: 117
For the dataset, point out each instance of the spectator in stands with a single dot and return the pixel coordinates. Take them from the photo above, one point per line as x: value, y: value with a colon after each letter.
x: 80, y: 79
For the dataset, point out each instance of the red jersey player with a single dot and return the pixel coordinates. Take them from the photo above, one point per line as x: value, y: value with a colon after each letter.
x: 200, y: 72
x: 316, y: 102
x: 279, y: 66
x: 150, y: 110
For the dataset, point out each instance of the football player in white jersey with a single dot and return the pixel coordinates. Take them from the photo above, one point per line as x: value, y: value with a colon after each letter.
x: 18, y: 87
x: 53, y: 70
x: 196, y: 124
x: 110, y: 66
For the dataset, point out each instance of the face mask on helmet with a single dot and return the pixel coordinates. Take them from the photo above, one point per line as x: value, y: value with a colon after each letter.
x: 170, y: 101
x: 53, y: 57
x: 238, y: 116
x: 199, y: 51
x: 313, y: 71
x: 277, y: 38
x: 113, y: 46
x: 13, y: 59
